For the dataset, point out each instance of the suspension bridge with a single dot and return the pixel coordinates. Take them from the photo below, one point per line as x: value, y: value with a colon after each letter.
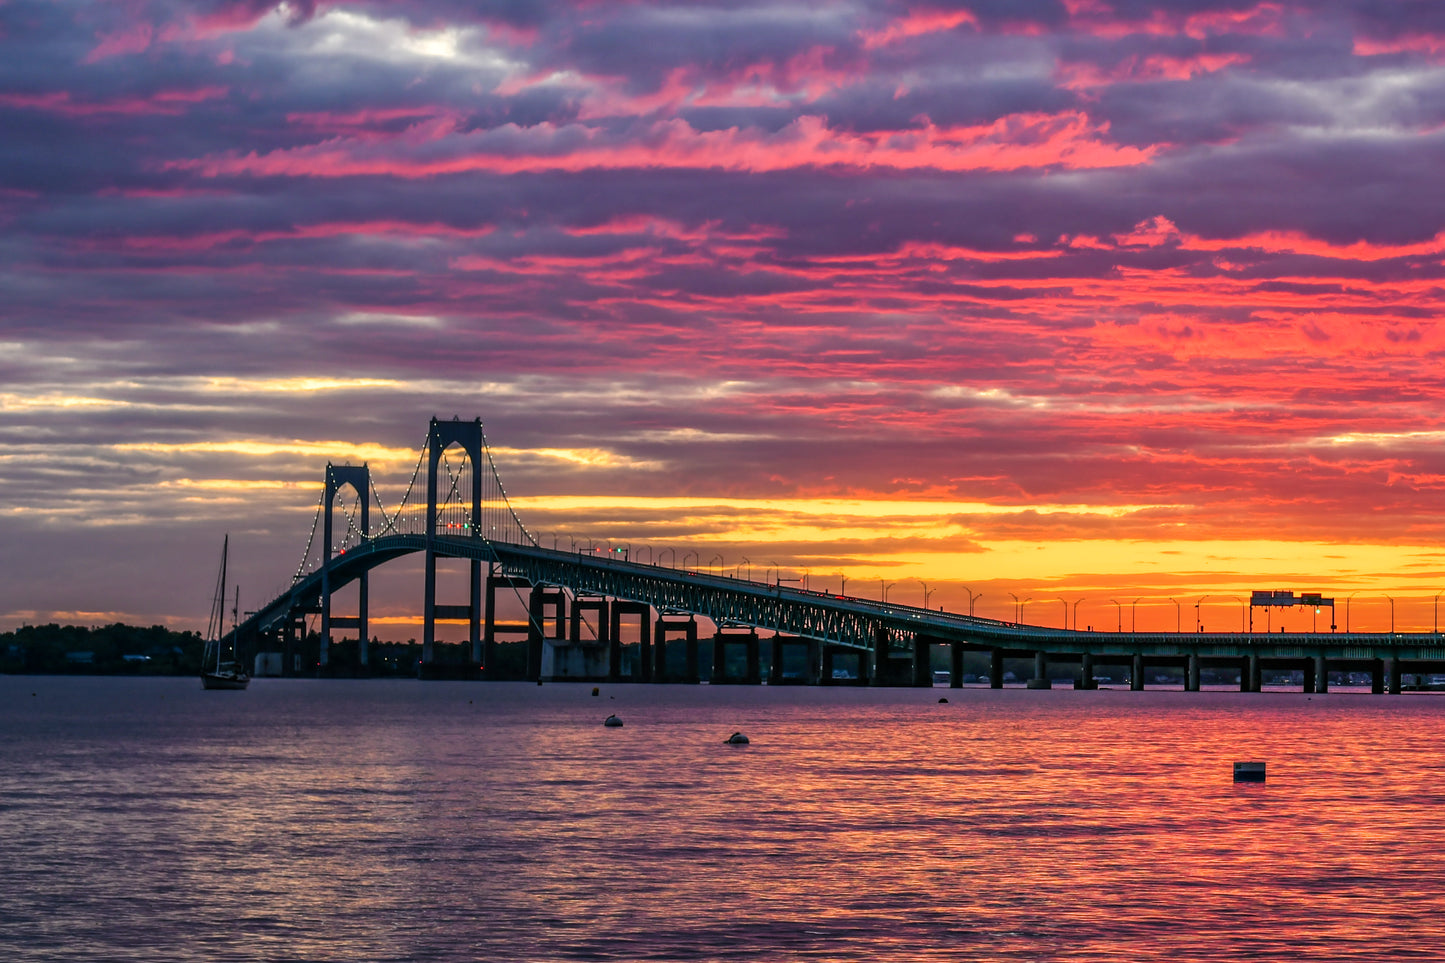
x: 578, y: 604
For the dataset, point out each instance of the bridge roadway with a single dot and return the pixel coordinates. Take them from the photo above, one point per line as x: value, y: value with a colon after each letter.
x: 889, y: 632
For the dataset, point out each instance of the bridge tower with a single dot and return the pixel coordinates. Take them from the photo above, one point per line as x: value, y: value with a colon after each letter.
x: 440, y: 436
x: 337, y: 478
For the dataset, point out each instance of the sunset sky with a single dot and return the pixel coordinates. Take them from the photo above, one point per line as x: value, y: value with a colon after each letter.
x: 1066, y: 299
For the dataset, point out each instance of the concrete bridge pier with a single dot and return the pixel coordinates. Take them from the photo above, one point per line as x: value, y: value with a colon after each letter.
x: 494, y: 581
x: 670, y: 625
x: 825, y: 672
x: 1377, y: 677
x: 779, y: 650
x: 642, y: 672
x: 752, y: 671
x: 995, y: 669
x: 602, y: 609
x: 1085, y: 679
x: 1041, y: 672
x: 922, y: 663
x: 955, y: 666
x: 1191, y: 674
x: 1322, y: 675
x: 1251, y: 678
x: 1136, y: 673
x: 1392, y: 673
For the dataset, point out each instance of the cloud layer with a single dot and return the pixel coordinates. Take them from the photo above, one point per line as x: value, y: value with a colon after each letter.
x: 1086, y: 283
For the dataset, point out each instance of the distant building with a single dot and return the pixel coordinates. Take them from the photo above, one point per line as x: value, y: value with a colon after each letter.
x: 80, y: 658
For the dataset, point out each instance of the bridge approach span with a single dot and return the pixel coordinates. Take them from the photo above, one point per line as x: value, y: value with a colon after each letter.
x: 846, y: 621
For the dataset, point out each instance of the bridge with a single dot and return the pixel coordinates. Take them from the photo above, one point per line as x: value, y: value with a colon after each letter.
x: 577, y: 604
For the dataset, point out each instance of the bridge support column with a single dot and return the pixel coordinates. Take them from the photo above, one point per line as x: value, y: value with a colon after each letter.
x: 922, y: 667
x: 642, y: 672
x: 1085, y: 679
x: 535, y: 621
x: 1041, y: 672
x: 490, y: 653
x: 1309, y: 676
x: 1136, y: 673
x: 659, y: 656
x: 440, y: 436
x: 1191, y: 674
x: 826, y: 672
x: 719, y: 660
x: 1322, y: 675
x: 754, y: 660
x: 690, y: 668
x: 1392, y: 674
x: 338, y: 477
x: 955, y: 666
x: 1377, y: 677
x: 995, y: 669
x: 1251, y: 677
x: 881, y: 664
x: 474, y: 620
x: 775, y: 661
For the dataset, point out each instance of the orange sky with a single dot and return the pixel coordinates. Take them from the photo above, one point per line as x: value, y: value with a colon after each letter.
x: 1051, y: 300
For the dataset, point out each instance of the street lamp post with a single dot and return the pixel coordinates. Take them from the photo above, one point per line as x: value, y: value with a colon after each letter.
x: 883, y: 588
x: 1436, y: 628
x: 1018, y: 608
x: 649, y: 553
x: 1197, y: 623
x: 926, y: 592
x: 1134, y: 616
x: 689, y: 555
x: 674, y: 556
x: 1176, y: 616
x: 719, y: 560
x: 972, y: 599
x: 1076, y: 612
x: 1241, y: 611
x: 1392, y: 615
x: 1347, y: 611
x: 749, y: 563
x: 1066, y: 612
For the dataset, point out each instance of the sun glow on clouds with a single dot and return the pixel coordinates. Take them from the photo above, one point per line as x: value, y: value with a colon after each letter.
x: 1092, y: 282
x: 334, y: 450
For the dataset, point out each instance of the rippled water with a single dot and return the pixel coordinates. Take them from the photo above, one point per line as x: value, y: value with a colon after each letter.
x: 145, y: 819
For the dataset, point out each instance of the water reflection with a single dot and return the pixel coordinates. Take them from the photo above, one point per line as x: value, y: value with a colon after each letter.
x: 144, y: 819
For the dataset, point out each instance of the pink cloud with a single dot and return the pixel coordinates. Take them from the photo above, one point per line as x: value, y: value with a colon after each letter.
x: 1069, y: 140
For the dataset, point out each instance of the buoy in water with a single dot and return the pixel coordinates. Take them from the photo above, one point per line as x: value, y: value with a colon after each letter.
x: 1249, y: 772
x: 736, y: 739
x: 942, y: 701
x: 612, y: 722
x: 595, y: 691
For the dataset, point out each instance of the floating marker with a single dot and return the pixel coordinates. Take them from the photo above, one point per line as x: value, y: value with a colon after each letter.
x: 942, y: 701
x: 595, y: 691
x: 1249, y: 772
x: 612, y: 722
x: 736, y: 739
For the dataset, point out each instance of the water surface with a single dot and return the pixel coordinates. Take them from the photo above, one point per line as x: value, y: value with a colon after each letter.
x: 145, y: 819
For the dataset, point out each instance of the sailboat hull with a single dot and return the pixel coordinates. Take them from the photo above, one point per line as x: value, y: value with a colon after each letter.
x: 214, y: 680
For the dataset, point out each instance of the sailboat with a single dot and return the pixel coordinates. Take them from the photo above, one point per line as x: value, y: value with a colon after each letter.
x: 220, y: 668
